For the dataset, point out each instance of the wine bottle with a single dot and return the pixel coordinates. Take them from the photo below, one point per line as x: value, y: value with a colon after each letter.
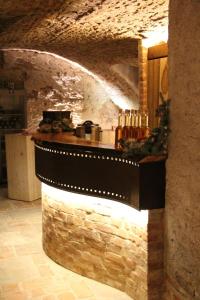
x: 118, y: 130
x: 132, y: 133
x: 139, y: 135
x: 126, y: 127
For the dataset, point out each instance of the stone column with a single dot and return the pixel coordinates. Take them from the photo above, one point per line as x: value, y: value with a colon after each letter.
x: 183, y: 191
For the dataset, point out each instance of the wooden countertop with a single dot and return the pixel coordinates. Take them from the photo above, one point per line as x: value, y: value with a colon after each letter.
x: 69, y: 138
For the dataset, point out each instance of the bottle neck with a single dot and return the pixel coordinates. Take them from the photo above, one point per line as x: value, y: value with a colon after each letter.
x: 127, y: 119
x: 120, y: 120
x: 139, y: 119
x: 134, y: 119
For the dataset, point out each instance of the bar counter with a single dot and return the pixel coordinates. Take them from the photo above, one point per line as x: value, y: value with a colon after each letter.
x: 96, y: 169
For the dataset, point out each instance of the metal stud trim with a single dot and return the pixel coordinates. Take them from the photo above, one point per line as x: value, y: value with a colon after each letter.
x: 78, y: 188
x: 89, y: 156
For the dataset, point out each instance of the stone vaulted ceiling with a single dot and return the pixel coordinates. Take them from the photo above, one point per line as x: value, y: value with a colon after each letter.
x: 82, y: 30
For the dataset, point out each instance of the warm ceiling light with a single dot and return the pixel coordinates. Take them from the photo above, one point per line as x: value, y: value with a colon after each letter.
x: 156, y: 37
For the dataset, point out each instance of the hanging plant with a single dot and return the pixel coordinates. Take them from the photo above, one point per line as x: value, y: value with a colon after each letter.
x: 157, y: 143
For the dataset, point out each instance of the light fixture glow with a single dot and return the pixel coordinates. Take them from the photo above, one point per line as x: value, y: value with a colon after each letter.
x: 156, y: 37
x: 115, y: 210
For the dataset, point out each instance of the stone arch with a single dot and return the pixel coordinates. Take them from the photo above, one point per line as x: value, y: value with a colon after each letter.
x: 59, y: 83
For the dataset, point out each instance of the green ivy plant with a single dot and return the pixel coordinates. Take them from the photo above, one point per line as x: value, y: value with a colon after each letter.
x: 157, y: 143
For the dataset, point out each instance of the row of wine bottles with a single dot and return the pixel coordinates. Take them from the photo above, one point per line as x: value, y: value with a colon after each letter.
x: 132, y: 125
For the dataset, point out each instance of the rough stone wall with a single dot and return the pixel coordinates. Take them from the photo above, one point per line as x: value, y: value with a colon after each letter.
x: 124, y: 251
x: 55, y: 83
x: 183, y: 192
x: 97, y: 34
x: 98, y: 30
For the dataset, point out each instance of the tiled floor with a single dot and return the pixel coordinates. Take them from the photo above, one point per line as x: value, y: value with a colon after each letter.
x: 26, y: 272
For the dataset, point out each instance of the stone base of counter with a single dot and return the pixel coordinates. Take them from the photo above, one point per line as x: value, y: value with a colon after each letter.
x: 106, y: 241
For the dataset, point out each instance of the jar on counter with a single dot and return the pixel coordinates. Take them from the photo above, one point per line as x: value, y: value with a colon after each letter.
x: 88, y: 129
x: 96, y: 132
x: 80, y: 131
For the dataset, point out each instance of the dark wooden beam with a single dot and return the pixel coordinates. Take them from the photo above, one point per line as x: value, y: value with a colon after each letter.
x: 158, y: 51
x: 1, y: 59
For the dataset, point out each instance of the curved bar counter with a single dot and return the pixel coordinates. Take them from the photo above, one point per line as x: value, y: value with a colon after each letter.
x: 90, y: 168
x: 118, y: 242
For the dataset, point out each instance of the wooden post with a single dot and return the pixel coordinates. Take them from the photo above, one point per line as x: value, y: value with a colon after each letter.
x: 142, y: 62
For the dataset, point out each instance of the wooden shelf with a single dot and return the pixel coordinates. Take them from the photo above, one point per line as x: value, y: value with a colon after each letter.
x: 17, y: 92
x: 10, y: 114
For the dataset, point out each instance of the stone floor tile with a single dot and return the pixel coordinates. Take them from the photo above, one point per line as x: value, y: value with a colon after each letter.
x: 105, y: 292
x: 6, y: 252
x: 26, y: 273
x: 11, y: 238
x: 49, y: 297
x: 4, y: 205
x: 36, y: 292
x: 66, y: 296
x: 44, y: 270
x: 80, y: 289
x: 10, y: 287
x: 40, y: 259
x: 14, y: 296
x: 35, y: 283
x: 27, y: 249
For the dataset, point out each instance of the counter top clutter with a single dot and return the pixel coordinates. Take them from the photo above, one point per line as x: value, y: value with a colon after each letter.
x: 61, y: 121
x: 56, y: 122
x: 93, y: 168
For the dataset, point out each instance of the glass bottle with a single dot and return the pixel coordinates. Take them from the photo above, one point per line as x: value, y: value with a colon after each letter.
x: 126, y: 127
x: 118, y: 130
x: 139, y: 126
x: 132, y: 133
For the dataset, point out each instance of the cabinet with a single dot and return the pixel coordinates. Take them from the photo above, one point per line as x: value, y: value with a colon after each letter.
x: 20, y: 157
x: 12, y: 116
x: 12, y: 110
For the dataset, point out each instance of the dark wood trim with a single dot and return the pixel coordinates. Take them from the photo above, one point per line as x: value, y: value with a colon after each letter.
x: 1, y: 59
x: 158, y: 51
x: 101, y: 172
